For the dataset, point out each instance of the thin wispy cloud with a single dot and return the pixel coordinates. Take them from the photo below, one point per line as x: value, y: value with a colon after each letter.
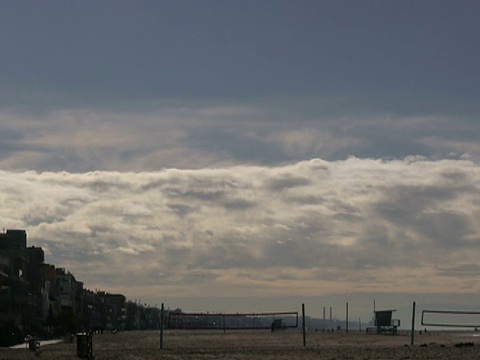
x: 196, y: 135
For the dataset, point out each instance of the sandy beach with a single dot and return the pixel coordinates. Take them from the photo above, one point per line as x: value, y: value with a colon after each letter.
x: 261, y: 344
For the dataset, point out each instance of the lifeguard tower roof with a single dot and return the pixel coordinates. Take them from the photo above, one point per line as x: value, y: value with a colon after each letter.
x: 383, y: 317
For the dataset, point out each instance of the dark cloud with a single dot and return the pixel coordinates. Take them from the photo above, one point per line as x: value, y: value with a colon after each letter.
x: 422, y: 210
x: 462, y: 271
x: 238, y: 204
x: 181, y: 209
x: 286, y: 182
x: 425, y: 54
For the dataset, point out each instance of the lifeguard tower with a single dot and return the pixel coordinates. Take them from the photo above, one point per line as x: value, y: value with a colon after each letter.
x: 384, y: 322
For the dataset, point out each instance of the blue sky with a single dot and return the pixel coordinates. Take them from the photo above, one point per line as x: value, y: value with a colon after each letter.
x: 331, y: 144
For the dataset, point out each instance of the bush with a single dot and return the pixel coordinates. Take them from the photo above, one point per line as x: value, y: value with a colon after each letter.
x: 10, y: 333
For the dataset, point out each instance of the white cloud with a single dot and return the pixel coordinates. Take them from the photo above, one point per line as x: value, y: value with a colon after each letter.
x: 313, y: 226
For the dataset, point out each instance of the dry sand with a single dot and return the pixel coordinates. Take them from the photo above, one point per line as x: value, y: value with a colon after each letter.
x: 261, y: 344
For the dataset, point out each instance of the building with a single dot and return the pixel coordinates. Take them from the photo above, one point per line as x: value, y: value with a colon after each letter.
x: 115, y: 310
x: 16, y: 300
x: 38, y: 298
x: 36, y: 282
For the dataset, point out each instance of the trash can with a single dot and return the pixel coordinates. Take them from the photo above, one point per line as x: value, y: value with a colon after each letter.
x: 84, y: 346
x: 33, y: 344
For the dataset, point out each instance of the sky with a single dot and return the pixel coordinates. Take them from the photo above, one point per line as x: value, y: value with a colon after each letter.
x: 247, y: 155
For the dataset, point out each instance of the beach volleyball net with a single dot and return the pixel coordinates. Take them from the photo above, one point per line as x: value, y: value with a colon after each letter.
x: 451, y: 318
x: 271, y: 320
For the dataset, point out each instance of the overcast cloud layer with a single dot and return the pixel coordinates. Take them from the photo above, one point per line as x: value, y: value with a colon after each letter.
x: 403, y: 225
x: 201, y: 134
x: 256, y: 148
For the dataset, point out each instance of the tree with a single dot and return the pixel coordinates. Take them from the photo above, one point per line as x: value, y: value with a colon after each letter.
x: 67, y: 321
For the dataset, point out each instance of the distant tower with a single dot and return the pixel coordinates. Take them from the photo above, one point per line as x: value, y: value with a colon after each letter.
x: 331, y: 314
x: 324, y: 313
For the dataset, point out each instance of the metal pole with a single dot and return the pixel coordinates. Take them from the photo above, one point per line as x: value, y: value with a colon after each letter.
x: 161, y: 326
x: 303, y: 326
x: 346, y: 317
x: 413, y: 325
